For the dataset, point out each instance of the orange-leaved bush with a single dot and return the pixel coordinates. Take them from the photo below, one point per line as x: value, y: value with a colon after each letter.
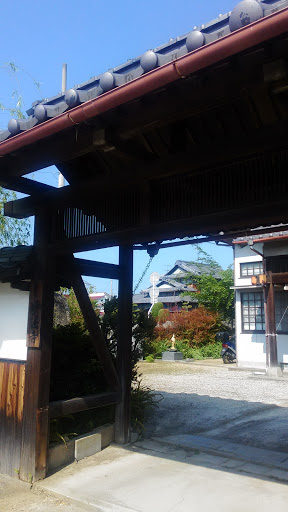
x: 196, y: 327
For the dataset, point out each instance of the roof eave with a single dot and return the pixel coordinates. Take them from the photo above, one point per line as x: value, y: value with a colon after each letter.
x: 254, y: 34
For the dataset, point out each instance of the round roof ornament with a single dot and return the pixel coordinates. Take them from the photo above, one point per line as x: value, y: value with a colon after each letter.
x: 71, y: 98
x: 195, y: 40
x: 149, y: 61
x: 245, y: 13
x: 107, y: 81
x: 40, y: 113
x: 13, y: 126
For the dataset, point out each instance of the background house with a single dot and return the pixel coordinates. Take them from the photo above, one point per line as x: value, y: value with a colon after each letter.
x: 253, y: 256
x: 100, y: 298
x: 172, y: 286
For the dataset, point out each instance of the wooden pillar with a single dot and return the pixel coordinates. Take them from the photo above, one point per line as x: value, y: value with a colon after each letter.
x: 271, y: 336
x: 35, y: 431
x: 123, y: 409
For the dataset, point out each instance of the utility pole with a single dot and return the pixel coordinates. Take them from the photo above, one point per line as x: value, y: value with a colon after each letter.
x: 61, y: 180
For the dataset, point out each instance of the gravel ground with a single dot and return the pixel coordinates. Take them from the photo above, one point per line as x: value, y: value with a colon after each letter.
x: 212, y: 401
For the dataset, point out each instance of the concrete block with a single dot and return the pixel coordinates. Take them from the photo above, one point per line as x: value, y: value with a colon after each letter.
x: 61, y: 455
x: 81, y: 447
x: 274, y: 372
x: 172, y: 356
x: 107, y: 434
x: 87, y: 445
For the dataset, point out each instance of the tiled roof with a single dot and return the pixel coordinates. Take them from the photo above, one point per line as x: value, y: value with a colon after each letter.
x: 191, y: 268
x: 12, y: 256
x: 16, y: 264
x: 214, y: 30
x: 166, y: 299
x: 262, y: 236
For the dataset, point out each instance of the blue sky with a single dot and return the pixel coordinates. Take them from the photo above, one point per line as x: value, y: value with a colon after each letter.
x: 92, y: 37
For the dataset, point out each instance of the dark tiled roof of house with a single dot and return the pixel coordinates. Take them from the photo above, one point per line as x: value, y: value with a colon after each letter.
x: 263, y: 236
x: 10, y: 257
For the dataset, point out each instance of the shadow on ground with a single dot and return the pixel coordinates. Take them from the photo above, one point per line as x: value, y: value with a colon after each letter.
x: 250, y: 423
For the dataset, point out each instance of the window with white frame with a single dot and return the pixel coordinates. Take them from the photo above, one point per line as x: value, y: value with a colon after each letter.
x: 253, y: 315
x: 251, y: 268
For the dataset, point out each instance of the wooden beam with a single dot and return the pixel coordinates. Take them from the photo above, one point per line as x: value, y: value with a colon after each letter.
x: 237, y: 220
x: 65, y: 407
x: 95, y: 331
x: 29, y: 206
x: 281, y: 278
x: 52, y: 150
x: 124, y: 341
x: 271, y: 335
x: 33, y: 465
x: 197, y: 159
x: 89, y: 268
x: 25, y: 185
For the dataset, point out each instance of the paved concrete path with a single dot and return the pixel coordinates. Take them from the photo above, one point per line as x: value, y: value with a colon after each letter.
x: 153, y: 476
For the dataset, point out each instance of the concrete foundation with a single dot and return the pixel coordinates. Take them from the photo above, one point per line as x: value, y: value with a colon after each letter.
x: 80, y: 447
x: 172, y: 356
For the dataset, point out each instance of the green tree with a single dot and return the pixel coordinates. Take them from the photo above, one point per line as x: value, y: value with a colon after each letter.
x: 155, y: 309
x: 15, y: 104
x: 214, y: 286
x: 12, y: 231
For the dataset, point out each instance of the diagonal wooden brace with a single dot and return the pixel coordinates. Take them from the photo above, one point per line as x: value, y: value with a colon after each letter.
x: 95, y: 332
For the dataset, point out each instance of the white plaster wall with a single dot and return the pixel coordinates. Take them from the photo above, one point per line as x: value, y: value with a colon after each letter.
x: 244, y: 255
x: 13, y: 323
x: 250, y: 347
x: 282, y: 348
x: 166, y: 287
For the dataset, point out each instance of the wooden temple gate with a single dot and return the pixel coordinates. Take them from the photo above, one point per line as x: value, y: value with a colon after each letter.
x: 196, y: 147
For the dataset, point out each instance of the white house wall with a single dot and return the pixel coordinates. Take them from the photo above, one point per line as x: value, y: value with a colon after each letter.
x: 13, y: 323
x: 245, y: 255
x: 251, y: 347
x: 282, y: 348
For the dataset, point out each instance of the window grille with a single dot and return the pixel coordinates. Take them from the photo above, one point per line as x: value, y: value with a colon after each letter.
x: 253, y: 315
x: 254, y: 268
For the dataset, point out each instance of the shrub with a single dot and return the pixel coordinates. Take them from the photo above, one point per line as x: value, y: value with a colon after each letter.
x: 149, y: 359
x: 74, y: 308
x: 76, y: 370
x: 197, y: 326
x: 163, y: 316
x: 142, y: 401
x: 156, y: 346
x: 212, y: 350
x: 155, y: 309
